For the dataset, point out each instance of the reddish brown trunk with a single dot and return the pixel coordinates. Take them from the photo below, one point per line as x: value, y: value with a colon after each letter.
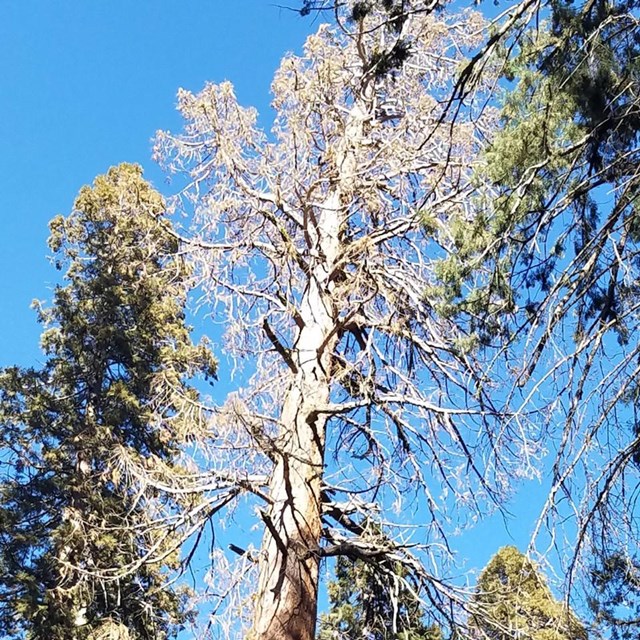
x: 287, y: 597
x: 286, y: 605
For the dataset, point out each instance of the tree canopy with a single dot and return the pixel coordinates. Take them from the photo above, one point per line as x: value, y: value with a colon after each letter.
x: 548, y: 270
x: 312, y: 247
x: 512, y: 600
x: 562, y: 240
x: 73, y: 534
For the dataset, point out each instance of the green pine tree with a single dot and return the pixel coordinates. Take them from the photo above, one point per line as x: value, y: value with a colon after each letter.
x: 513, y: 600
x: 370, y: 601
x: 118, y: 353
x: 615, y: 598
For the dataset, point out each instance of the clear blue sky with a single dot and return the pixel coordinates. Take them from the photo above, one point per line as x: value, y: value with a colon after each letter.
x: 84, y: 85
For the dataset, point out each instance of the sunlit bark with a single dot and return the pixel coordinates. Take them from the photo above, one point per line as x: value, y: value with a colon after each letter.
x: 311, y: 247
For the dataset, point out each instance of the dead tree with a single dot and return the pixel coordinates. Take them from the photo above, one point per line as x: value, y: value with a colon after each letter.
x: 311, y: 247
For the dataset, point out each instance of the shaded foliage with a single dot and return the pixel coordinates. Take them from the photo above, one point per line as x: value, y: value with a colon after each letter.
x: 374, y: 599
x: 73, y: 535
x: 615, y: 599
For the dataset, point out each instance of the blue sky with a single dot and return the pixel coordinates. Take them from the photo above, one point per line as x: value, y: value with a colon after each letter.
x: 84, y: 86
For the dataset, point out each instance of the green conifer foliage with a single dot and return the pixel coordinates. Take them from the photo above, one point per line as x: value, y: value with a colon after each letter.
x: 615, y: 598
x: 117, y: 355
x: 550, y: 270
x: 513, y: 600
x: 373, y: 602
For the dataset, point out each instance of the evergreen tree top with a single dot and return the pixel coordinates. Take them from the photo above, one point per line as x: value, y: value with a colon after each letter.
x: 75, y: 533
x: 513, y: 600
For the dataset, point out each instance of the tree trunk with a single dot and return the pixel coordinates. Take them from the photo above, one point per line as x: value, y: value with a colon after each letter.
x: 286, y: 601
x: 287, y: 594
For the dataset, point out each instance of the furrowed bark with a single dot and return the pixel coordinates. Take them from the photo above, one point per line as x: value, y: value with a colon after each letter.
x: 286, y: 601
x: 287, y: 593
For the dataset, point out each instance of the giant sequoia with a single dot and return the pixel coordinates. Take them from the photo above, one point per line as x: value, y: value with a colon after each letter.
x: 312, y: 246
x: 512, y: 600
x: 74, y: 536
